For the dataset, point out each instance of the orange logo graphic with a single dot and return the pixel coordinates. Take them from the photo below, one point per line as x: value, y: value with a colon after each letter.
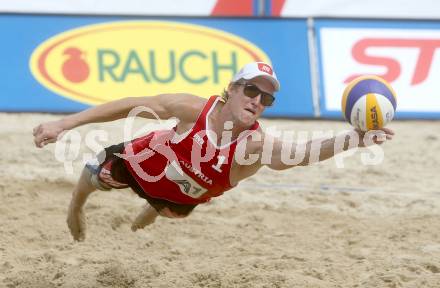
x: 75, y: 69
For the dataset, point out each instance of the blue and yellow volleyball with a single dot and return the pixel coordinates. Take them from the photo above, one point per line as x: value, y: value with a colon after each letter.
x: 369, y: 103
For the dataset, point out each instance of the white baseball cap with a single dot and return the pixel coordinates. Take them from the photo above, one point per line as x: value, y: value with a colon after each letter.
x: 255, y: 69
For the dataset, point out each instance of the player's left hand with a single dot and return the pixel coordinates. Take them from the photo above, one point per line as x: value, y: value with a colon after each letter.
x: 47, y: 133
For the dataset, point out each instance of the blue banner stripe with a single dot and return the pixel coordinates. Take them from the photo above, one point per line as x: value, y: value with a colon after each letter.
x: 256, y: 6
x: 268, y: 8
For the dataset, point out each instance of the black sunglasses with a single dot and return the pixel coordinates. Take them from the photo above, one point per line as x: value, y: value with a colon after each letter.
x: 252, y: 91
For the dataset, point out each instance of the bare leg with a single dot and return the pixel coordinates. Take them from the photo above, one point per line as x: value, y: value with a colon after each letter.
x: 146, y: 217
x: 76, y: 220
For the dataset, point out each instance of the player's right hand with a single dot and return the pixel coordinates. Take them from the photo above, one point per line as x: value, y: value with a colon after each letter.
x: 47, y: 133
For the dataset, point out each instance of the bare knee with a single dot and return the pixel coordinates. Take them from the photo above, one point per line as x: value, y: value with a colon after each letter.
x: 90, y: 177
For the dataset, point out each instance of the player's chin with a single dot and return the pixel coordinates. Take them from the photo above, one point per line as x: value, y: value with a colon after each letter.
x: 248, y: 119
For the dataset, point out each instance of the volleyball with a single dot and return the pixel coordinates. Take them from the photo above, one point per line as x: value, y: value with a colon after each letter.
x: 369, y: 103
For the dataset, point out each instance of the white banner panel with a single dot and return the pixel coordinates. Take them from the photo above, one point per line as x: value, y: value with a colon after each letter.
x: 407, y: 58
x: 115, y: 7
x: 411, y: 9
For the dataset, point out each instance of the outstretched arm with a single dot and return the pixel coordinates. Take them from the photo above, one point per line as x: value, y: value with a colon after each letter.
x: 322, y: 149
x: 182, y: 106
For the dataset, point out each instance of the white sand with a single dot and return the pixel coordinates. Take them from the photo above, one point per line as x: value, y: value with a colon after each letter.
x: 318, y: 226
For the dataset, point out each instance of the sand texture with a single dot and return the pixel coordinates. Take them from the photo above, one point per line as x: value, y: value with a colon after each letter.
x: 318, y: 226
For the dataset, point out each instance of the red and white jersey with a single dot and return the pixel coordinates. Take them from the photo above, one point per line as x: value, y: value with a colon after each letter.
x: 189, y: 168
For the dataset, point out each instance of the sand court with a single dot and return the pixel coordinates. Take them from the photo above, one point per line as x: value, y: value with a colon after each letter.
x: 317, y: 226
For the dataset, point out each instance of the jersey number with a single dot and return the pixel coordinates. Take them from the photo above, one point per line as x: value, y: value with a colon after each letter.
x: 186, y: 184
x: 220, y: 160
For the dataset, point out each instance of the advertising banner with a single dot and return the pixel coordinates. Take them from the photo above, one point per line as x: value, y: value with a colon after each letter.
x: 377, y: 9
x: 139, y: 7
x: 67, y: 63
x: 406, y: 54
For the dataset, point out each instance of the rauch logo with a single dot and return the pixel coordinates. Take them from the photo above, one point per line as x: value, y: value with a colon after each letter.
x: 103, y: 62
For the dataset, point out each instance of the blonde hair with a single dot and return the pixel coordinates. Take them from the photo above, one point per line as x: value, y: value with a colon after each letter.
x: 225, y: 94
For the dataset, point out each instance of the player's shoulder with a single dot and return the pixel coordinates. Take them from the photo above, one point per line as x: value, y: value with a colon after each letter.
x: 194, y: 102
x: 184, y: 100
x: 184, y: 105
x: 190, y: 103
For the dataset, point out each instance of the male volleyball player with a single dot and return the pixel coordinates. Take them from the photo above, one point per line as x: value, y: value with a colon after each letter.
x: 170, y: 168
